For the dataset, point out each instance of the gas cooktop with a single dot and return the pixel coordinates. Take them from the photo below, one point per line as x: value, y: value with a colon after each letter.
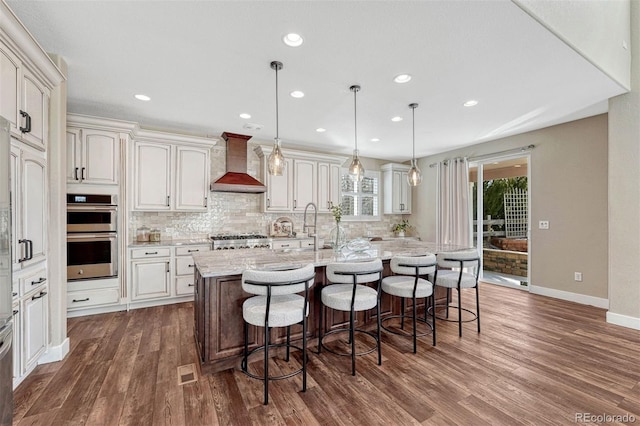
x: 240, y: 241
x: 238, y: 237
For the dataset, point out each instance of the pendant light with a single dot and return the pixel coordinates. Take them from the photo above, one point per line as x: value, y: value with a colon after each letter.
x: 414, y: 177
x: 356, y: 171
x: 275, y: 162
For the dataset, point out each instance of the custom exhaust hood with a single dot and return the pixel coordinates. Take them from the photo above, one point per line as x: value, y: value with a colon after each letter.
x: 236, y: 178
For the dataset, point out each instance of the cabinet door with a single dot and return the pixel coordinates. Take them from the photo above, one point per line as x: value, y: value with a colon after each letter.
x: 100, y: 157
x: 17, y: 341
x: 152, y: 176
x: 34, y: 206
x: 73, y: 155
x: 35, y: 102
x: 335, y: 185
x: 35, y: 311
x: 192, y: 178
x: 324, y: 187
x: 10, y: 76
x: 279, y: 195
x: 150, y: 280
x: 16, y: 200
x: 405, y: 194
x: 304, y: 184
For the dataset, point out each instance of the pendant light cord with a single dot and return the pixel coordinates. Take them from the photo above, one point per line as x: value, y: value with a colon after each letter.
x: 355, y: 116
x: 413, y: 115
x: 277, y: 122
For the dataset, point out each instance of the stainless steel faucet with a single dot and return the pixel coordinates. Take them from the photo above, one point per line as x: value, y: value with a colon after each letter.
x: 315, y: 222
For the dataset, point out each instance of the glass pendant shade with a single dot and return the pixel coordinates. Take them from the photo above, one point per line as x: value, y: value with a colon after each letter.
x: 356, y: 170
x: 275, y: 162
x: 414, y: 177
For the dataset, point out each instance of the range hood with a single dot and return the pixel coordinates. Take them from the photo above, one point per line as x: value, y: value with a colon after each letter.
x: 236, y: 179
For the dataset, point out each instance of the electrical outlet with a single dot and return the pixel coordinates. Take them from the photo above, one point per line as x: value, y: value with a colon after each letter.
x: 577, y: 276
x: 543, y: 224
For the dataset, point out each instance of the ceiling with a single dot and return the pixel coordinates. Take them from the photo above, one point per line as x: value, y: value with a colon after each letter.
x: 205, y: 62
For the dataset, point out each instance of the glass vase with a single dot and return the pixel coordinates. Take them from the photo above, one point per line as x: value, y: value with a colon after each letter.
x: 338, y: 237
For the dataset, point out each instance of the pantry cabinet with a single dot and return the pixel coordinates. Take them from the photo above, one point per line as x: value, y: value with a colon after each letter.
x: 170, y: 172
x: 397, y: 191
x: 308, y: 177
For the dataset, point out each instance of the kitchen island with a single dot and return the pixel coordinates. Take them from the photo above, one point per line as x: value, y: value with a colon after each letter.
x: 219, y: 296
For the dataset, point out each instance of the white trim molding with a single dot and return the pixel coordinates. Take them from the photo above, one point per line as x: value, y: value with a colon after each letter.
x: 623, y: 320
x: 583, y: 299
x: 55, y: 353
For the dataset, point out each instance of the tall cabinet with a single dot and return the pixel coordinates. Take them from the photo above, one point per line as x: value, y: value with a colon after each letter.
x: 397, y: 192
x: 27, y: 79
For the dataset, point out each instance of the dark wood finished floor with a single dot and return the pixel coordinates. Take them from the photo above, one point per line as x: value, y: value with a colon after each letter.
x: 537, y: 361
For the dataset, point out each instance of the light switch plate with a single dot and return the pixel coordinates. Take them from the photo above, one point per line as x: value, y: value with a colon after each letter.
x: 543, y: 224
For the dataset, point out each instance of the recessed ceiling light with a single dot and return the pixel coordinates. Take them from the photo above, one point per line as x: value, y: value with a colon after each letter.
x: 297, y: 94
x: 293, y: 39
x: 142, y: 98
x: 321, y: 130
x: 517, y: 165
x: 402, y: 78
x: 470, y: 103
x: 245, y: 115
x: 396, y: 119
x: 375, y: 140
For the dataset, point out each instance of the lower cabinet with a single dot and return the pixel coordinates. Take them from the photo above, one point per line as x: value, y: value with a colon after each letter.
x: 17, y: 340
x: 163, y: 273
x: 35, y: 310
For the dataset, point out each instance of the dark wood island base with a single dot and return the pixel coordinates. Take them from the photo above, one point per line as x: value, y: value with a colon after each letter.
x: 219, y: 326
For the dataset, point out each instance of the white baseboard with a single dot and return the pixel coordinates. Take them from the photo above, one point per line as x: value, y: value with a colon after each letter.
x: 55, y: 353
x: 583, y: 299
x: 72, y: 313
x: 623, y: 320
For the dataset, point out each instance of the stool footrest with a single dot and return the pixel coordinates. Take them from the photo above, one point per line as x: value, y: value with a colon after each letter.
x: 475, y: 315
x: 401, y: 333
x: 244, y: 366
x: 346, y: 330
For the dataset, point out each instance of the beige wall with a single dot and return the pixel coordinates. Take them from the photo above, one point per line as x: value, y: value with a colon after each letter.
x: 624, y: 194
x: 568, y: 188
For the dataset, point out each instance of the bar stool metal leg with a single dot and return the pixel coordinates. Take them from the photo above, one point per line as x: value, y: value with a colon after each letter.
x: 266, y: 364
x: 478, y: 305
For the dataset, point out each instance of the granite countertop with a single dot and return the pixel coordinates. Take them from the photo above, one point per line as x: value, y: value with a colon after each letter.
x: 170, y: 242
x: 233, y: 262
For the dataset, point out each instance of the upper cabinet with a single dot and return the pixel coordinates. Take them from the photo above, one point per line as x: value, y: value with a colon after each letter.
x: 308, y: 177
x: 397, y: 192
x: 94, y: 149
x: 170, y: 172
x: 24, y: 100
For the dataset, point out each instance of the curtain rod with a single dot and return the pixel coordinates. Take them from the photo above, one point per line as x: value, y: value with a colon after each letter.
x: 493, y: 154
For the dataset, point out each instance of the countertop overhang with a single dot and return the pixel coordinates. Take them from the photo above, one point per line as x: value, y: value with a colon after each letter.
x: 224, y: 263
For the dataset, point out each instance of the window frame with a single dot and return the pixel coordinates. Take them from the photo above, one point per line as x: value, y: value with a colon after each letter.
x: 374, y: 174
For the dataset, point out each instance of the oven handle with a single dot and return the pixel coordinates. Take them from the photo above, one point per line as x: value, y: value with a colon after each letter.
x: 107, y: 236
x: 92, y: 208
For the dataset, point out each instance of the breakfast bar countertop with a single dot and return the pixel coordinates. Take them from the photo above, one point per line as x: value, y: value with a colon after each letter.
x: 233, y: 262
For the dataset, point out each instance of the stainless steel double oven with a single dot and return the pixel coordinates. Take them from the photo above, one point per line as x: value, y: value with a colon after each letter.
x: 92, y: 236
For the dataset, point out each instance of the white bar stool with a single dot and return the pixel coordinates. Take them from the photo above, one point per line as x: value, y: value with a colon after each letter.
x: 276, y: 304
x: 408, y: 283
x: 347, y: 293
x: 458, y: 279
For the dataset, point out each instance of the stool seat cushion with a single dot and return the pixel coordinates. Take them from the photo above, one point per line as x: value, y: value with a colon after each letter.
x: 449, y: 279
x: 402, y: 286
x: 338, y: 296
x: 285, y: 310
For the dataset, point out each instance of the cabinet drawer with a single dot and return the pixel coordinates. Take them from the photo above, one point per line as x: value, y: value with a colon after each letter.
x: 184, y: 285
x: 150, y: 252
x: 185, y: 266
x: 85, y: 299
x: 189, y: 250
x: 278, y: 245
x: 34, y: 280
x: 306, y: 243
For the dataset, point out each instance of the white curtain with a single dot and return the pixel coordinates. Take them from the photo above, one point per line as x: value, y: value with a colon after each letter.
x: 453, y: 202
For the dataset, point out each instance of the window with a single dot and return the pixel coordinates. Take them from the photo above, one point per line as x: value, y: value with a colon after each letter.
x: 360, y: 201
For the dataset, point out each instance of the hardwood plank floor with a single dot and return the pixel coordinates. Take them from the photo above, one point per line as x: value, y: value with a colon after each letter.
x: 537, y: 361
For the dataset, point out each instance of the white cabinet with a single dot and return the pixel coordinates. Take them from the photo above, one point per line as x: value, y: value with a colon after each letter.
x: 35, y: 316
x: 397, y: 191
x: 17, y: 340
x: 29, y: 207
x: 92, y: 156
x: 24, y: 100
x: 304, y: 183
x: 150, y: 279
x: 185, y: 268
x: 170, y: 176
x: 329, y: 181
x: 307, y: 178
